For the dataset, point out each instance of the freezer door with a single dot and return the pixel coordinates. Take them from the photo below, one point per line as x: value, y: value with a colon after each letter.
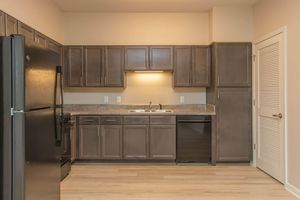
x: 5, y: 118
x: 40, y: 73
x: 42, y: 171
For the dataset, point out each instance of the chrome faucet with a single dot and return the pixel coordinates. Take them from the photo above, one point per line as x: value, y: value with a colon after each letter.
x: 150, y: 105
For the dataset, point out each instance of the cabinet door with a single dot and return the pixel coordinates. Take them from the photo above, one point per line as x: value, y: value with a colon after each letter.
x: 11, y: 25
x: 114, y: 67
x: 233, y: 64
x: 111, y: 141
x: 135, y: 141
x: 201, y: 66
x: 182, y: 66
x: 136, y: 58
x: 89, y: 142
x: 93, y: 66
x: 73, y: 140
x: 162, y: 142
x: 2, y: 23
x: 40, y: 40
x: 54, y: 46
x: 73, y: 57
x: 27, y: 31
x: 234, y: 122
x: 161, y: 58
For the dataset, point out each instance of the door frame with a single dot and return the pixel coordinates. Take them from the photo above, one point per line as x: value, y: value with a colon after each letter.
x: 282, y: 30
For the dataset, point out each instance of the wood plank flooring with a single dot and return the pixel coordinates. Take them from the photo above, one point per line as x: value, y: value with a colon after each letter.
x: 170, y: 182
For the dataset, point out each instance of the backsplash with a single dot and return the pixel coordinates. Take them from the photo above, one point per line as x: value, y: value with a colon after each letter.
x: 141, y: 88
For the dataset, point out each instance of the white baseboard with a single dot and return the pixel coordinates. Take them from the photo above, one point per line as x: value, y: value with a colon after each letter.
x: 292, y: 189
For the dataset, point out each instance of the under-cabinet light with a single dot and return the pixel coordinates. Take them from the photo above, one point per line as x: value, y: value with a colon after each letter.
x: 148, y: 71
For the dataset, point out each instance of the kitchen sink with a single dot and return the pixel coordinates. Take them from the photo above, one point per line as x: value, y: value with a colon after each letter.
x: 150, y: 111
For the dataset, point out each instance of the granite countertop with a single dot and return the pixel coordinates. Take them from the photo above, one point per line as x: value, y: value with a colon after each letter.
x: 106, y: 109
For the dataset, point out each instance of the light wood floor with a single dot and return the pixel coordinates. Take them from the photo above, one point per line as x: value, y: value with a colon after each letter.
x: 169, y: 182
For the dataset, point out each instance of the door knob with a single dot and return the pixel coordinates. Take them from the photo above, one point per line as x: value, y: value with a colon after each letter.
x: 278, y: 115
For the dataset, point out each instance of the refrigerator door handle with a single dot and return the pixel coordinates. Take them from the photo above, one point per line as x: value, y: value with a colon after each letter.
x: 59, y: 121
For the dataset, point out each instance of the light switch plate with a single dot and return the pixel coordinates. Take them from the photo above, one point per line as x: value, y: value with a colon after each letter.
x: 106, y: 99
x: 119, y: 99
x: 182, y: 99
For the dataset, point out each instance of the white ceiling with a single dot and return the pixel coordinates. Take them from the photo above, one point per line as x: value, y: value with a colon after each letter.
x: 145, y: 5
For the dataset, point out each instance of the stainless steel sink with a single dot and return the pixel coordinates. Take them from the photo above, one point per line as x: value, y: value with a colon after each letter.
x: 149, y: 111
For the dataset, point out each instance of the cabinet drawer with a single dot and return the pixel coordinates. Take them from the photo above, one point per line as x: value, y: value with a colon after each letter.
x: 88, y: 120
x: 111, y: 120
x: 136, y: 120
x: 162, y: 119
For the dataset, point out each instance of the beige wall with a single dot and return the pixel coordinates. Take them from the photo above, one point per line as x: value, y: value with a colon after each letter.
x: 141, y: 88
x: 270, y: 15
x: 136, y: 28
x: 231, y: 24
x: 42, y: 15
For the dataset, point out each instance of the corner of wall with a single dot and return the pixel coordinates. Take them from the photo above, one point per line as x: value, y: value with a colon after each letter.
x: 293, y: 190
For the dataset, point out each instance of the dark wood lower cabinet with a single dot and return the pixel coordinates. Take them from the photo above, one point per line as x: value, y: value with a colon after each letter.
x: 73, y: 140
x: 111, y: 141
x: 234, y: 122
x: 136, y: 141
x: 89, y: 142
x: 127, y: 137
x: 163, y: 142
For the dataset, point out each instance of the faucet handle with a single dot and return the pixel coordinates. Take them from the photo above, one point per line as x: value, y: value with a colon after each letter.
x: 160, y: 106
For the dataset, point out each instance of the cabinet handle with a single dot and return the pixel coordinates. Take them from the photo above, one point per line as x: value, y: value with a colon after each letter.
x: 218, y: 94
x: 110, y: 120
x: 218, y: 80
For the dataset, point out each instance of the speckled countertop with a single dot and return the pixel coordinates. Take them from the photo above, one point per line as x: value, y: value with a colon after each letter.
x: 108, y: 109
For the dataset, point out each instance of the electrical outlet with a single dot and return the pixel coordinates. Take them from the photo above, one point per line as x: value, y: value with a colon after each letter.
x: 106, y: 99
x: 119, y: 99
x: 182, y: 99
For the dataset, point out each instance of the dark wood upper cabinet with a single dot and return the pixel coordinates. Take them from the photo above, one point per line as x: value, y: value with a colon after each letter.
x: 93, y: 67
x: 89, y: 142
x: 114, y: 67
x: 40, y: 40
x: 136, y: 58
x: 201, y: 68
x: 73, y: 63
x: 136, y: 141
x: 54, y: 46
x: 2, y: 23
x: 111, y: 141
x: 192, y: 66
x: 234, y: 122
x: 234, y: 63
x: 182, y: 66
x: 11, y: 25
x: 27, y: 31
x: 161, y: 58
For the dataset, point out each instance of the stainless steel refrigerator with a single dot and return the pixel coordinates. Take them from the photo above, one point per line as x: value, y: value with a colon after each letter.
x: 30, y: 131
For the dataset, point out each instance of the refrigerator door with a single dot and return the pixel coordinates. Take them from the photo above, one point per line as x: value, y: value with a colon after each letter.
x: 5, y: 119
x: 40, y: 73
x: 42, y: 171
x: 36, y: 167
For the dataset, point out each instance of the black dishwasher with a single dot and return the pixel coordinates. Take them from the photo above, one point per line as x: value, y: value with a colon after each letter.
x: 193, y: 139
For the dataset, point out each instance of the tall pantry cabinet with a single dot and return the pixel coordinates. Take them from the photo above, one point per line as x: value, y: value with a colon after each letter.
x: 231, y: 93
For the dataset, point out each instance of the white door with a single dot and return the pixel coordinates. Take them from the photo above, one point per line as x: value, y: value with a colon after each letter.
x: 270, y: 106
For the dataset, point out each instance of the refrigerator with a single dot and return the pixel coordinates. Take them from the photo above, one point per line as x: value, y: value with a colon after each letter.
x: 30, y: 123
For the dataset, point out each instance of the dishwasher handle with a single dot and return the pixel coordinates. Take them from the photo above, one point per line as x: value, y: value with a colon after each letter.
x: 194, y: 121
